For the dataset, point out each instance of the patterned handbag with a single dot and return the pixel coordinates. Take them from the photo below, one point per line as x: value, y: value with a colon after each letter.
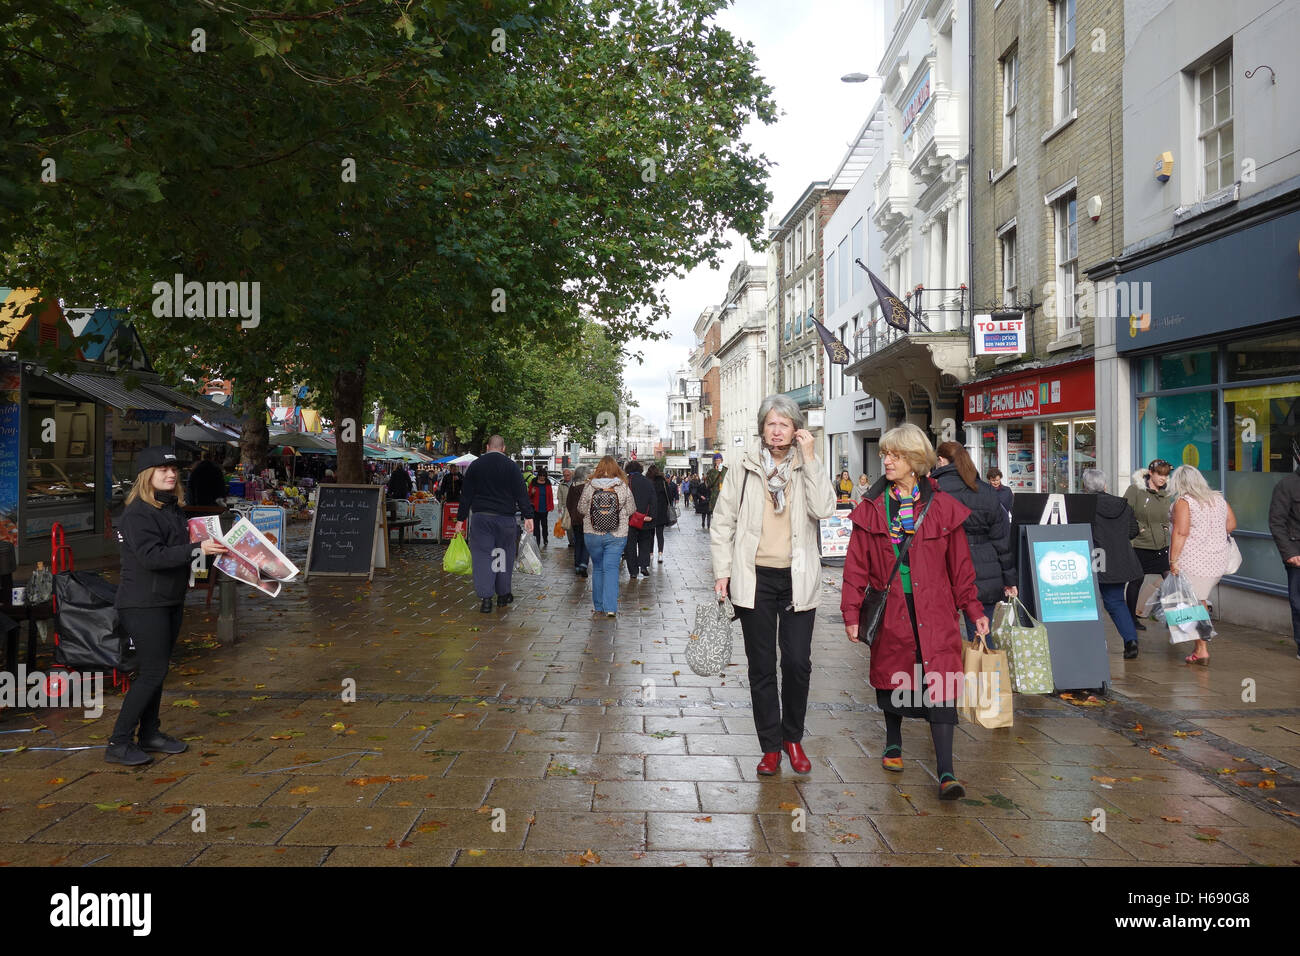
x: 1028, y: 657
x: 708, y: 649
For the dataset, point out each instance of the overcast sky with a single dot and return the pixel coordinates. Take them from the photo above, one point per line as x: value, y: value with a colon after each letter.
x: 803, y: 50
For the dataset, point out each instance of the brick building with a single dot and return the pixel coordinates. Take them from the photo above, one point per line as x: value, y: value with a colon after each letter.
x: 800, y: 261
x: 1048, y: 206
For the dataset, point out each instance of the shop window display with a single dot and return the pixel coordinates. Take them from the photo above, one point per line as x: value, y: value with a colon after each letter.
x: 1182, y: 429
x: 1264, y: 432
x: 60, y: 470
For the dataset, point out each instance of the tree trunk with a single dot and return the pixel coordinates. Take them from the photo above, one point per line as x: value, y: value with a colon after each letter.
x: 349, y: 428
x: 255, y: 437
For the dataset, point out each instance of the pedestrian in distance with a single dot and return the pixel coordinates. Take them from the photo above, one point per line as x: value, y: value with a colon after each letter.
x: 1005, y: 494
x: 542, y: 496
x: 660, y: 513
x: 640, y: 541
x: 449, y: 488
x: 561, y: 497
x: 399, y: 484
x: 605, y: 505
x: 581, y: 557
x: 1148, y: 496
x: 844, y: 487
x: 860, y: 490
x: 207, y: 483
x: 1114, y: 526
x: 712, y: 482
x: 1202, y: 521
x: 700, y: 495
x: 492, y: 494
x: 916, y: 659
x: 988, y: 530
x: 1284, y: 526
x: 765, y: 546
x: 156, y: 553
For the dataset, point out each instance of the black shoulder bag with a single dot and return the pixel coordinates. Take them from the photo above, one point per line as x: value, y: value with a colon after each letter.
x: 873, y: 600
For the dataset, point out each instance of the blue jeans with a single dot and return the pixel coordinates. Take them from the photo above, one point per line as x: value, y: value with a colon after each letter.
x: 1112, y: 595
x: 606, y: 557
x: 1293, y: 586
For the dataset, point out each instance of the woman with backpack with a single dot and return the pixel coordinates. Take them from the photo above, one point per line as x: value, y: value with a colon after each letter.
x: 605, y: 505
x: 156, y: 555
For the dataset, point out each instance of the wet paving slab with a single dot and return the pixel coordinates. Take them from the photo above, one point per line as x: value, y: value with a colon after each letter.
x: 389, y: 723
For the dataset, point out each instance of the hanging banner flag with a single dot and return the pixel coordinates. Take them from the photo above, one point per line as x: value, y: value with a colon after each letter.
x: 891, y: 306
x: 837, y: 350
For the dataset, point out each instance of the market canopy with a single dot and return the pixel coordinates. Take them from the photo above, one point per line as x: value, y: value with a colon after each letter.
x: 199, y: 406
x: 464, y: 460
x: 197, y: 434
x: 134, y: 402
x: 303, y: 441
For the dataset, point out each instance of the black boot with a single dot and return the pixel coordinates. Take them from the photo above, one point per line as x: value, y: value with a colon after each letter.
x: 486, y: 606
x: 505, y: 599
x: 1130, y: 650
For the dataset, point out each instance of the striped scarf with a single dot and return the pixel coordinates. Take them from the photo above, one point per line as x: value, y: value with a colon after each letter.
x: 904, y: 520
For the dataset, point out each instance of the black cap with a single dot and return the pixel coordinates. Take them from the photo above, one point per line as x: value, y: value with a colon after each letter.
x: 155, y: 457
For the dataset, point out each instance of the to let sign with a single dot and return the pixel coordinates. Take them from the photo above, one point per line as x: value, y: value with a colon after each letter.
x: 1000, y: 334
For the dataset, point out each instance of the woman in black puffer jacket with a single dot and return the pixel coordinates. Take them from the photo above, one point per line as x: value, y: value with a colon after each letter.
x: 156, y: 555
x: 987, y: 528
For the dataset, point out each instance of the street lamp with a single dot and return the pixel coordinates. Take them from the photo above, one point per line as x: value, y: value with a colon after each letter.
x: 860, y: 77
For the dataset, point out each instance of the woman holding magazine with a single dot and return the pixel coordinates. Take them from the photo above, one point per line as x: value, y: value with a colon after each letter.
x: 156, y: 555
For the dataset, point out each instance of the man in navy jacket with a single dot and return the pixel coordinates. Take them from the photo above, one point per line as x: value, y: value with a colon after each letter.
x: 493, y: 492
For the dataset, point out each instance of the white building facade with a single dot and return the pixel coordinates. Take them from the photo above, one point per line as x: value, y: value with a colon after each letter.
x: 742, y: 356
x: 855, y: 419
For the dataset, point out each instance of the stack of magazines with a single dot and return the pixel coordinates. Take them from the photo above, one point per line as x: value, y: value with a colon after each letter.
x: 252, y: 557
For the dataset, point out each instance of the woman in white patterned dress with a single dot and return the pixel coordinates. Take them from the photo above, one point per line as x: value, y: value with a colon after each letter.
x: 1198, y: 550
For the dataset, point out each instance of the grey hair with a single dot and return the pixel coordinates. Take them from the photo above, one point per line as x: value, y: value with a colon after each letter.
x: 1093, y: 480
x: 580, y: 474
x: 783, y: 405
x: 1187, y: 480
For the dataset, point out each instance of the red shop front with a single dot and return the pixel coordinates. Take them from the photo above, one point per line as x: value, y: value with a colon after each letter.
x: 1039, y: 427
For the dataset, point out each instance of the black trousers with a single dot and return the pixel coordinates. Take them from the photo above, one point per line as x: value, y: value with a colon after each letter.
x: 659, y: 538
x: 154, y: 631
x: 1153, y: 562
x: 770, y: 623
x: 541, y: 530
x: 639, y: 547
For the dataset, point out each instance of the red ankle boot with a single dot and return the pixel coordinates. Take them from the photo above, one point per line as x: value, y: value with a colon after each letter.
x: 798, y: 759
x: 770, y: 763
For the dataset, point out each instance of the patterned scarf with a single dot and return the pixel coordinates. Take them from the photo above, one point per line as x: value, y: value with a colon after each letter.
x: 904, y: 520
x: 778, y: 476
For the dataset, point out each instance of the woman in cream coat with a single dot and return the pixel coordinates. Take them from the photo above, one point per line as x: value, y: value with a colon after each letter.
x: 766, y: 547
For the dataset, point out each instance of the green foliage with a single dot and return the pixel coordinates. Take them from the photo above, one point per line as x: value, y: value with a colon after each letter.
x: 523, y: 169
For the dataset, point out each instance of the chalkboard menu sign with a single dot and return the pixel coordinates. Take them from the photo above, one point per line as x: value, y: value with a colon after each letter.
x: 343, y: 530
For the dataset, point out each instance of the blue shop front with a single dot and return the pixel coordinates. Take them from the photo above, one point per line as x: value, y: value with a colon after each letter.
x: 1215, y: 369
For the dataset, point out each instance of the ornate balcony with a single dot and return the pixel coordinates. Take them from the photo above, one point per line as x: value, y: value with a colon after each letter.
x: 888, y: 359
x: 893, y: 195
x: 935, y: 140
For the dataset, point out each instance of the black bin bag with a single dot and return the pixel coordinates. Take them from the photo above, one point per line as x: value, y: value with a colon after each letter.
x: 91, y: 637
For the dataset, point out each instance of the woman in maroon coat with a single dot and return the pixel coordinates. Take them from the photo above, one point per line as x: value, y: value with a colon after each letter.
x: 542, y: 497
x: 916, y: 664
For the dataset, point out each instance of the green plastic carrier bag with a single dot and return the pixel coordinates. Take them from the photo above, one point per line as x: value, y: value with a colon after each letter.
x: 1028, y: 656
x: 457, y: 559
